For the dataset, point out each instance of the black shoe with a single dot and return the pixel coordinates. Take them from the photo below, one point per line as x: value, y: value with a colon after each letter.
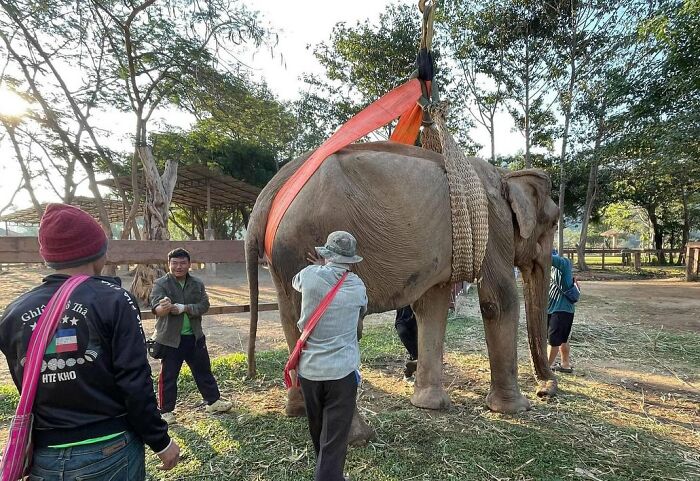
x: 411, y: 366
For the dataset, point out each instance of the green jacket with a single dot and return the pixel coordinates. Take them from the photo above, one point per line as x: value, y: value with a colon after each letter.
x: 193, y: 294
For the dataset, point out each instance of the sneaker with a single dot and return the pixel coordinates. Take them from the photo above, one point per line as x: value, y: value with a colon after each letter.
x: 168, y: 417
x: 410, y: 380
x: 219, y: 406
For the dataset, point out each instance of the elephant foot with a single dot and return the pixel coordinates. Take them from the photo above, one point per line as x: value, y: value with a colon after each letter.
x: 295, y: 403
x: 360, y: 432
x: 547, y: 388
x: 430, y: 398
x: 507, y: 404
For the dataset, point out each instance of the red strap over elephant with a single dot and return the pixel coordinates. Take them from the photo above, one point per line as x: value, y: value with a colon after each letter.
x: 402, y: 101
x: 294, y: 357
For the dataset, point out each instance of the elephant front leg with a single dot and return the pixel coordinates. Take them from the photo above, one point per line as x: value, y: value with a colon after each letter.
x: 431, y: 313
x: 498, y: 299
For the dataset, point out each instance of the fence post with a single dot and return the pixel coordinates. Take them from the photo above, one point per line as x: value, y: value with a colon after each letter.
x: 637, y: 261
x: 603, y: 259
x: 689, y: 263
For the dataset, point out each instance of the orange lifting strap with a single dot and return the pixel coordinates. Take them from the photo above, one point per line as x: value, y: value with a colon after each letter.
x: 402, y: 101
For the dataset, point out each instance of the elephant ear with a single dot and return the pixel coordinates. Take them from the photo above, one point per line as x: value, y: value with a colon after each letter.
x: 521, y: 195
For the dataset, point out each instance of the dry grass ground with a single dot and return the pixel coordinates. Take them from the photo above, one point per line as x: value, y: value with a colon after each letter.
x: 630, y: 411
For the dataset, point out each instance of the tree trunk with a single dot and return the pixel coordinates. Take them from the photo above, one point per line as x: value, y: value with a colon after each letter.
x: 686, y: 226
x: 588, y: 212
x: 159, y: 191
x: 658, y: 235
x: 492, y: 134
x: 26, y: 175
x: 136, y: 202
x: 110, y: 269
x: 567, y: 101
x: 528, y: 161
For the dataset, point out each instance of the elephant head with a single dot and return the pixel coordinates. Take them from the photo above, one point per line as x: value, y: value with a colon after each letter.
x: 535, y: 217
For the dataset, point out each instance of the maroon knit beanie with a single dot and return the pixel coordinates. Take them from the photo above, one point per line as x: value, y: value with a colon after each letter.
x: 70, y: 237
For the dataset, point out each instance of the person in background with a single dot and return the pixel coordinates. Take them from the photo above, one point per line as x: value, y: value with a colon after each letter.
x: 328, y: 367
x: 560, y: 313
x: 179, y: 300
x: 407, y: 329
x: 95, y: 407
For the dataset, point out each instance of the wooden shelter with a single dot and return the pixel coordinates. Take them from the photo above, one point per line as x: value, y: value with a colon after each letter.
x: 613, y: 234
x: 201, y: 187
x: 30, y: 217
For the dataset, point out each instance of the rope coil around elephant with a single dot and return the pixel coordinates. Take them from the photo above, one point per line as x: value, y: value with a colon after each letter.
x: 468, y: 201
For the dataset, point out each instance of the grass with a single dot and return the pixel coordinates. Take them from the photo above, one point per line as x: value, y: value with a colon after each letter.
x: 597, y: 428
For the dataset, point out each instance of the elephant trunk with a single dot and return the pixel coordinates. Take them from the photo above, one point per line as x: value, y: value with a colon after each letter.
x: 536, y: 284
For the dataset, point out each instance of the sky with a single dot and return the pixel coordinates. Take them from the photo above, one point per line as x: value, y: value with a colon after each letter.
x: 300, y: 26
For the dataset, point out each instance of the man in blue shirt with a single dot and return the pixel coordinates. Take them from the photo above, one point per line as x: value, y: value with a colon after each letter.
x: 560, y: 313
x: 328, y: 365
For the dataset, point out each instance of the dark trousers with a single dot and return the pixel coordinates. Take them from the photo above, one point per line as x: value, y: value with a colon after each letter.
x: 195, y: 354
x: 330, y: 406
x: 407, y: 329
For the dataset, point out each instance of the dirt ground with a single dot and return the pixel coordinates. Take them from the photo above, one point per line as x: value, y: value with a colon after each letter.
x: 668, y: 304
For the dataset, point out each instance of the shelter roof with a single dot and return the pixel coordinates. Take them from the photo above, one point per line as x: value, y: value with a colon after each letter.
x: 115, y: 210
x: 612, y: 233
x: 191, y: 188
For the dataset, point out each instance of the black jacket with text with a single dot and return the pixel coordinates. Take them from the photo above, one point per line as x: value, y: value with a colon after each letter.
x: 95, y: 379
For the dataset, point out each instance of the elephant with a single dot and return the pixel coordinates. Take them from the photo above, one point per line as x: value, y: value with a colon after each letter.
x: 394, y: 199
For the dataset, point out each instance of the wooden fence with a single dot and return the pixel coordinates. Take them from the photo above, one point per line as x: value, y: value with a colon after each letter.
x: 626, y: 257
x: 25, y: 250
x: 21, y: 250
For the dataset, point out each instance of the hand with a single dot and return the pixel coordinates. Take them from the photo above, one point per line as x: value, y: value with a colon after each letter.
x: 169, y: 457
x: 165, y: 303
x: 177, y: 309
x: 314, y: 258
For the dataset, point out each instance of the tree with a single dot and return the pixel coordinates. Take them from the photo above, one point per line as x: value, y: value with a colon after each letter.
x: 528, y: 68
x: 475, y: 38
x: 363, y: 63
x: 657, y: 134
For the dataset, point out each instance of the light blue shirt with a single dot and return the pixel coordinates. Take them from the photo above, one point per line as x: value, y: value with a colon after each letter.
x: 332, y: 350
x: 562, y: 279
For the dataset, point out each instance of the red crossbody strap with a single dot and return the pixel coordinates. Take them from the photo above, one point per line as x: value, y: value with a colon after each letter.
x: 293, y: 360
x: 43, y: 332
x: 322, y: 307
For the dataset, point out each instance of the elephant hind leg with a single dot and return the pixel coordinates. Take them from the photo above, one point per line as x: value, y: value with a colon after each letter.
x: 431, y: 314
x: 289, y: 304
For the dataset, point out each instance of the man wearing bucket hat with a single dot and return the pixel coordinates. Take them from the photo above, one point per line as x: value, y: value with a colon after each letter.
x: 328, y: 367
x: 95, y: 406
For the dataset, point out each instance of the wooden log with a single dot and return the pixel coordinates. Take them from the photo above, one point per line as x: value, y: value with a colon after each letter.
x: 222, y: 310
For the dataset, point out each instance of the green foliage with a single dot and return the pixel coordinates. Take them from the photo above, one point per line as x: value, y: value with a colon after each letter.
x: 362, y: 63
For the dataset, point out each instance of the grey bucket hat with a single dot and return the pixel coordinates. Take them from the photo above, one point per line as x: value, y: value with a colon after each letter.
x: 340, y: 247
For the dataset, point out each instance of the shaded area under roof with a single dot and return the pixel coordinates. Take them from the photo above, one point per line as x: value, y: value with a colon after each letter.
x: 115, y: 210
x: 193, y: 182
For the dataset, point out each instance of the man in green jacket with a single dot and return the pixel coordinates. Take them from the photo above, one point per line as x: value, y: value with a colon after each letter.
x: 179, y: 300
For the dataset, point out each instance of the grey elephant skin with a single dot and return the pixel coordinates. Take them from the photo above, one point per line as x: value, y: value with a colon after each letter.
x: 394, y: 199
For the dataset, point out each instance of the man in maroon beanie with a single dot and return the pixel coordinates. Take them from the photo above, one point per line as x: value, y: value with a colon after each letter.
x: 95, y: 406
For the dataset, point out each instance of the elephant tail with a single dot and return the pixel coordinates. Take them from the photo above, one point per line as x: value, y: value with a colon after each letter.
x: 252, y: 253
x: 254, y: 247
